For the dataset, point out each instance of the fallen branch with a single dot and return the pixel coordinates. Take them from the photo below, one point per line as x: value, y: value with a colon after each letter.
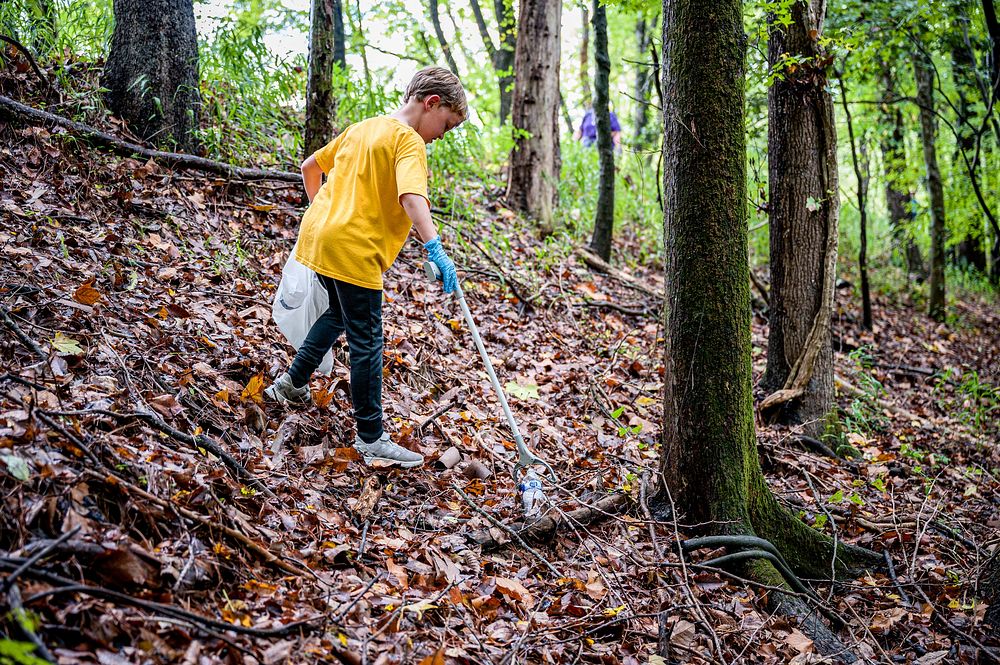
x: 547, y: 526
x: 599, y: 264
x: 239, y: 537
x: 172, y: 159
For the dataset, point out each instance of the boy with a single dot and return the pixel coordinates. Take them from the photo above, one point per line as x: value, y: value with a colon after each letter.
x: 356, y: 223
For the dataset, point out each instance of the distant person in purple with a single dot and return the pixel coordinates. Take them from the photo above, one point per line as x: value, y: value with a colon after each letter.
x: 587, y: 131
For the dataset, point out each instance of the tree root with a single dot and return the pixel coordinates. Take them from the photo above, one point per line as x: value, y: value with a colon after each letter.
x: 12, y: 108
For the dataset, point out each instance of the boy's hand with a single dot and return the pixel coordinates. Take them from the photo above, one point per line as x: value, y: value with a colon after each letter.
x: 435, y: 252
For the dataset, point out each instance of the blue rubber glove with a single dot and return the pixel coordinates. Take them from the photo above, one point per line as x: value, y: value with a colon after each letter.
x: 435, y: 252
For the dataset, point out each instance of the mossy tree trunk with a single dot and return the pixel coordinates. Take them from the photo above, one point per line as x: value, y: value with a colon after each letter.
x: 923, y: 70
x: 604, y: 213
x: 804, y: 212
x: 326, y: 50
x: 710, y: 465
x: 152, y: 70
x: 532, y: 183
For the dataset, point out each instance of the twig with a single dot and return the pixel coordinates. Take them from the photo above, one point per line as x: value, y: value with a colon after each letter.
x: 429, y: 419
x: 27, y: 341
x: 895, y: 580
x: 336, y: 619
x: 955, y: 629
x: 513, y: 534
x: 24, y: 626
x: 36, y: 557
x: 75, y: 440
x: 30, y: 58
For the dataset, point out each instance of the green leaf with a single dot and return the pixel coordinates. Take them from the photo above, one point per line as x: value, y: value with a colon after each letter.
x: 617, y: 413
x: 837, y: 497
x: 529, y: 391
x: 19, y: 652
x: 812, y: 205
x: 17, y: 467
x: 879, y: 484
x: 64, y: 344
x: 820, y: 521
x: 856, y: 499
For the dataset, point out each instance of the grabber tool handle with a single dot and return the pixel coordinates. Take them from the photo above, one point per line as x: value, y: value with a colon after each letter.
x: 525, y: 457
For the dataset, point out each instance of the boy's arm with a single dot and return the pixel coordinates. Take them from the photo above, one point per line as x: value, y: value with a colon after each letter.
x: 312, y: 177
x: 419, y: 212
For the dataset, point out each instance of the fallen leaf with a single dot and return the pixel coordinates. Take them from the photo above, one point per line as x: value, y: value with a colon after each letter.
x: 86, y: 294
x: 64, y: 344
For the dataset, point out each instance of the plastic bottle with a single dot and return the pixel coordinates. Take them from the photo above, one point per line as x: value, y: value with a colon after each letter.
x: 532, y: 494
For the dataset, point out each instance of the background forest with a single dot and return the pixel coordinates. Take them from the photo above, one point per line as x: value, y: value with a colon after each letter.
x: 759, y: 340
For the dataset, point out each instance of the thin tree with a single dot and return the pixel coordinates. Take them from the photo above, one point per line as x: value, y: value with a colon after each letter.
x: 898, y: 201
x: 326, y: 50
x: 643, y: 78
x: 604, y: 213
x: 534, y: 161
x: 432, y: 8
x: 502, y: 56
x: 152, y: 70
x: 709, y: 465
x: 923, y: 70
x: 861, y: 174
x: 804, y: 206
x: 585, y: 88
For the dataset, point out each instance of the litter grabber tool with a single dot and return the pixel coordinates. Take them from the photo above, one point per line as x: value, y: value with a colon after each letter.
x: 526, y: 459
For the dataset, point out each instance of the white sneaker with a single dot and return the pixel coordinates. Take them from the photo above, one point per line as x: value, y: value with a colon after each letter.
x: 385, y: 450
x: 283, y: 390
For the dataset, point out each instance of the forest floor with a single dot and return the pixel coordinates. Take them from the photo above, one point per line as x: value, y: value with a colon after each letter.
x: 141, y: 302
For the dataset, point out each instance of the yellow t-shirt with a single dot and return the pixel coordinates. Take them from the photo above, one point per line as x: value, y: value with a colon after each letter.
x: 355, y: 226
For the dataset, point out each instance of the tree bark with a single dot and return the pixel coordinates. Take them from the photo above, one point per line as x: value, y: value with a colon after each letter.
x: 585, y: 88
x: 710, y: 467
x: 928, y: 134
x: 152, y: 70
x: 804, y: 211
x: 604, y: 214
x: 326, y: 49
x: 534, y: 162
x: 899, y: 202
x: 861, y: 174
x: 432, y: 6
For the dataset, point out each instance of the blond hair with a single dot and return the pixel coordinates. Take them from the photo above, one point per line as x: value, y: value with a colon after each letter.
x: 441, y: 82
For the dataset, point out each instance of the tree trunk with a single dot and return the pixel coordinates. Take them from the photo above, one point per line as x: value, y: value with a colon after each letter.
x: 152, y: 70
x: 604, y: 215
x: 326, y: 48
x: 432, y: 6
x: 925, y: 100
x: 585, y: 88
x: 710, y: 468
x: 534, y: 162
x: 899, y: 202
x: 503, y: 62
x: 502, y: 57
x: 804, y: 209
x: 861, y: 174
x: 969, y: 252
x: 643, y: 38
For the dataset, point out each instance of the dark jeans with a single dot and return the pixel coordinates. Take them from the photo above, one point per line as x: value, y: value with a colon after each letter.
x: 358, y: 312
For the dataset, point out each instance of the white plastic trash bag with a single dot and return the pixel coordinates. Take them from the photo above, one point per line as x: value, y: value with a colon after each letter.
x: 299, y: 301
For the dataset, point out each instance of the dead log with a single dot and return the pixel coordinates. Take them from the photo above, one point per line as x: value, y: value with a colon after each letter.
x: 546, y: 527
x: 13, y: 109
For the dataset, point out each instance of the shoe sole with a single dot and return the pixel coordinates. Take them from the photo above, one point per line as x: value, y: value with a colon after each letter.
x: 400, y: 463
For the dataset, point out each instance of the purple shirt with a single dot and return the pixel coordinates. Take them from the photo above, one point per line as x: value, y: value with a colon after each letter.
x: 588, y: 128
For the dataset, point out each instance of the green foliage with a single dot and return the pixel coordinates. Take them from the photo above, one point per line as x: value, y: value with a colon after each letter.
x: 864, y: 414
x: 972, y: 401
x: 18, y: 653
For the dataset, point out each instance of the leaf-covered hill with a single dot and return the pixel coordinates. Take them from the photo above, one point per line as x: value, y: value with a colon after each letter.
x: 177, y: 517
